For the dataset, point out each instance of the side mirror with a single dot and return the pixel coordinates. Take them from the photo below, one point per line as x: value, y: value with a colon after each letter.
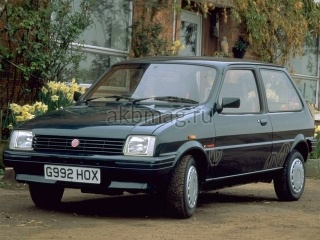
x: 76, y: 96
x: 228, y: 102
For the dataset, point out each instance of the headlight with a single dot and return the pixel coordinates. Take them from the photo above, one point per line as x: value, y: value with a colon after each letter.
x: 139, y: 145
x: 21, y: 140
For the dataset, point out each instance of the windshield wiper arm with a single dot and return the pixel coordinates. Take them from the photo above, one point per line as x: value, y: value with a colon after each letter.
x: 168, y: 99
x: 117, y: 97
x: 176, y: 99
x: 162, y: 98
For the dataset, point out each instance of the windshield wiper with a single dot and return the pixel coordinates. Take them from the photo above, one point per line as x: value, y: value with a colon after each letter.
x: 162, y: 98
x: 167, y: 99
x: 117, y: 97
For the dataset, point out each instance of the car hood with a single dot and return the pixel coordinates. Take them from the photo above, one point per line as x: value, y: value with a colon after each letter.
x: 96, y: 120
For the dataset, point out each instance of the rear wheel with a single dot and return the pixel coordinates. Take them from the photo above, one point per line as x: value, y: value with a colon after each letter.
x: 183, y: 188
x: 289, y: 184
x: 46, y: 195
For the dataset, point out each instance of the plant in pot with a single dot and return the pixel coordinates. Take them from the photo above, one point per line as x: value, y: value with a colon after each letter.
x: 240, y: 47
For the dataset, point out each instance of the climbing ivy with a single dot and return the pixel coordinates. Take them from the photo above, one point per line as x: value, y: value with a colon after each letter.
x: 277, y: 30
x: 149, y: 29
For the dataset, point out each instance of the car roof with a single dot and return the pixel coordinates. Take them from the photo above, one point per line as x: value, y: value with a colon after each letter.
x: 200, y: 60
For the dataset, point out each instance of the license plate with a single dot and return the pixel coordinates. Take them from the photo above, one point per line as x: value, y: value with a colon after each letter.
x: 72, y: 174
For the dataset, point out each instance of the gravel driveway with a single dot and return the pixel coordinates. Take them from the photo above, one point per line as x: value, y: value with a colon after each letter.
x: 245, y: 212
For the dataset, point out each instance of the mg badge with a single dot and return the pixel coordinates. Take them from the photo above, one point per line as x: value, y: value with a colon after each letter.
x: 75, y: 143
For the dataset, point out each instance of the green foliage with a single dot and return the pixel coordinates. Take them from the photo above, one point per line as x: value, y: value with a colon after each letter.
x: 36, y: 46
x: 277, y: 29
x: 316, y: 153
x: 146, y: 40
x: 241, y: 44
x: 222, y: 54
x: 35, y: 38
x: 148, y: 32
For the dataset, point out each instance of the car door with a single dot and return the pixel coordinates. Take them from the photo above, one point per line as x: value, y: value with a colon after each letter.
x: 244, y: 134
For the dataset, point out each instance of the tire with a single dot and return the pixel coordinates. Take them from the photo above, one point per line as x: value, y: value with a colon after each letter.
x: 289, y: 184
x: 45, y: 195
x: 183, y: 189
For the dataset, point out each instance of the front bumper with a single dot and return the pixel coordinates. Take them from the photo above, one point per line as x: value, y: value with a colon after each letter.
x: 127, y: 173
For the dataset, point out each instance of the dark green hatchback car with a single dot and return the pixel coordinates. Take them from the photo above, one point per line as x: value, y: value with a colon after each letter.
x: 171, y: 126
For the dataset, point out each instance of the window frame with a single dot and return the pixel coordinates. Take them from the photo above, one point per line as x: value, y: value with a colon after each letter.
x: 257, y: 89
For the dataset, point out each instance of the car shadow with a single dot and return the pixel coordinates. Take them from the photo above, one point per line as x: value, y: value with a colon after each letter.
x: 145, y: 205
x: 218, y: 197
x: 140, y: 205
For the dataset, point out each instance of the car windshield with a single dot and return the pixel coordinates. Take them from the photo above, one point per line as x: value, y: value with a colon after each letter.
x: 154, y: 82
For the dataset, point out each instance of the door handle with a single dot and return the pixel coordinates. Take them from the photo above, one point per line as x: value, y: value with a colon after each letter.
x: 263, y: 121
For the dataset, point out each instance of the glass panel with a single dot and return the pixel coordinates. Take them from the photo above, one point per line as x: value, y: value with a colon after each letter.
x: 188, y: 37
x: 308, y: 63
x: 308, y: 88
x: 240, y: 84
x: 281, y: 95
x: 111, y: 24
x: 90, y: 69
x: 149, y: 82
x: 190, y: 33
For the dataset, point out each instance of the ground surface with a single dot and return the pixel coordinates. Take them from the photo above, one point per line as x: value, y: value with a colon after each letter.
x: 246, y: 212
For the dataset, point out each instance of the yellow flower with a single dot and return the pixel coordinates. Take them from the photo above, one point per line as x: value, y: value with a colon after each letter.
x: 10, y: 126
x: 177, y: 43
x: 83, y: 89
x: 64, y: 88
x: 20, y: 118
x: 54, y: 98
x: 316, y: 131
x: 70, y: 96
x: 27, y: 115
x: 74, y: 87
x: 53, y: 86
x: 15, y: 108
x: 38, y: 105
x: 176, y: 47
x: 44, y: 108
x: 31, y: 109
x: 25, y: 108
x: 44, y: 90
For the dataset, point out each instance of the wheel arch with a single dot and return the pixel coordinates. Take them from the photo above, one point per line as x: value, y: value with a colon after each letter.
x: 195, y: 149
x: 301, y: 146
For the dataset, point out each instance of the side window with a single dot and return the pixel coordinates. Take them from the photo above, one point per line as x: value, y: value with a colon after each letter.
x: 281, y: 94
x: 241, y: 84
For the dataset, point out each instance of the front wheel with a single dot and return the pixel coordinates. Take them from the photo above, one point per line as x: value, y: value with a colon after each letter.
x: 46, y: 195
x: 289, y: 183
x: 183, y: 188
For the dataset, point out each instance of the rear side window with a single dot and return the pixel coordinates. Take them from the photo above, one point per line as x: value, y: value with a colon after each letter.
x: 281, y: 94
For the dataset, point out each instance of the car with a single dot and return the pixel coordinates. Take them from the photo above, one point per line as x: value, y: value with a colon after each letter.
x: 173, y: 126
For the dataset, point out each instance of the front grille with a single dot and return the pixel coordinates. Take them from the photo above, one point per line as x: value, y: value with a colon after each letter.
x: 107, y: 146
